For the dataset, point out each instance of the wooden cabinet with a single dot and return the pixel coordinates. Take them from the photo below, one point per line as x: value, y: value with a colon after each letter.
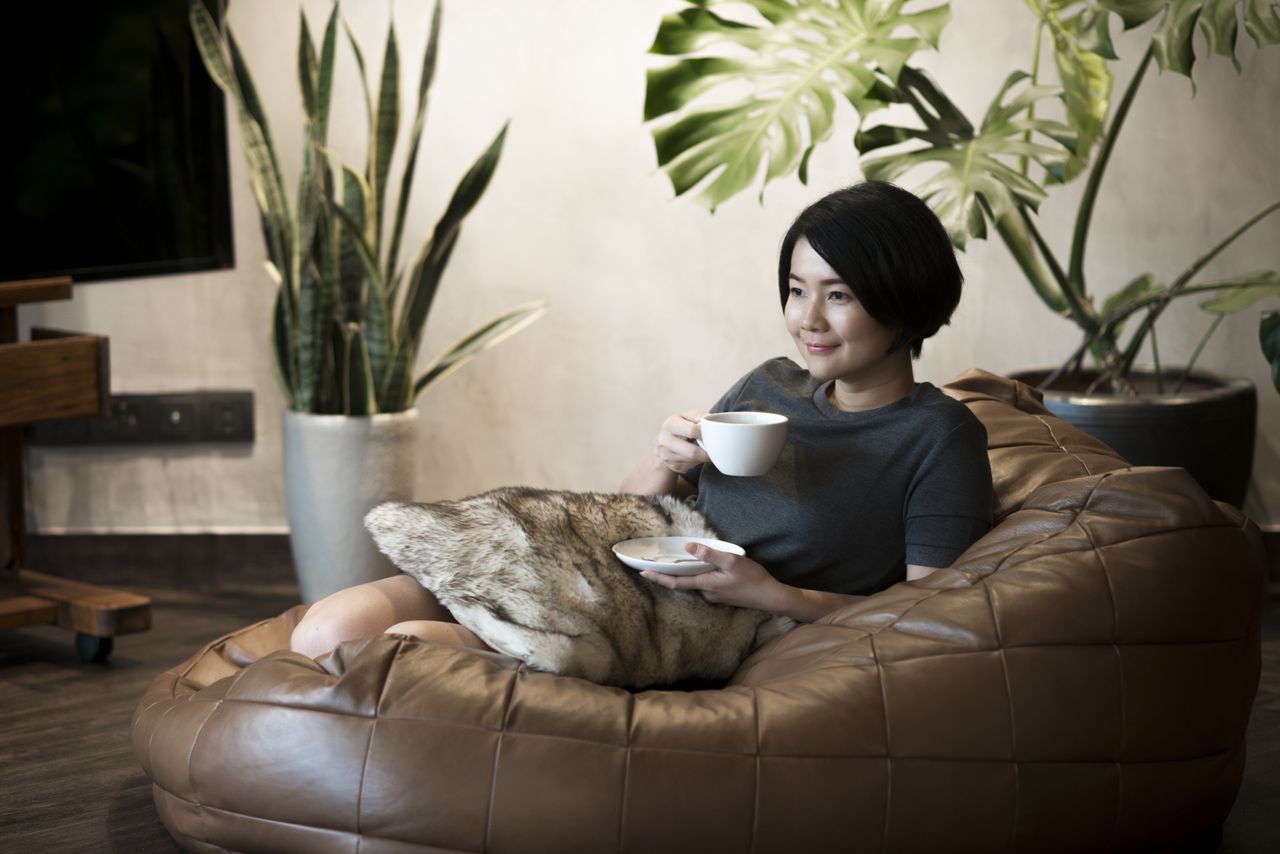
x: 55, y: 375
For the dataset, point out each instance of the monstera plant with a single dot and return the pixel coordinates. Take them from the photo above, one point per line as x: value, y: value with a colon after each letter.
x: 348, y: 319
x: 753, y: 86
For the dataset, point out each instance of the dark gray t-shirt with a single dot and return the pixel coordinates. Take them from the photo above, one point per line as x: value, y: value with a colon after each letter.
x: 855, y: 496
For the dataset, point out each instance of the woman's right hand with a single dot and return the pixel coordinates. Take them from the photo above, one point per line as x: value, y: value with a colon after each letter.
x: 675, y: 447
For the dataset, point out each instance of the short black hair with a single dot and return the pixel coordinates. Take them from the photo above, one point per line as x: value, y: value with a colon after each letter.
x: 892, y: 252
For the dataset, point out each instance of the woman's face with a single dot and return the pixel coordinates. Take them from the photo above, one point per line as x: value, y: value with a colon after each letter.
x: 836, y: 337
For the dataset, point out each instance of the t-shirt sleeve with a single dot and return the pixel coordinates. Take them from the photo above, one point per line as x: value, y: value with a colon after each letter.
x: 724, y: 404
x: 950, y: 503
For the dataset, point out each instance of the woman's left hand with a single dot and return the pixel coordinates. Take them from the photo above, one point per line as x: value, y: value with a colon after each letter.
x: 735, y: 580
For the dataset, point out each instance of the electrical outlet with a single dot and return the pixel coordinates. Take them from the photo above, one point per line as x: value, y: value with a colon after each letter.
x: 228, y: 417
x: 173, y: 419
x: 125, y: 424
x: 199, y: 416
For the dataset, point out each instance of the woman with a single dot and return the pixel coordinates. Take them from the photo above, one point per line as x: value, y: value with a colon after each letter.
x: 882, y: 478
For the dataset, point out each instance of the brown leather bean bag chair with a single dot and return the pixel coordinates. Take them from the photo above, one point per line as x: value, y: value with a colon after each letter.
x: 1080, y: 680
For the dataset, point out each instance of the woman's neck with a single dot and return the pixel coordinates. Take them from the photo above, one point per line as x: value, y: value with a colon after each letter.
x: 875, y: 391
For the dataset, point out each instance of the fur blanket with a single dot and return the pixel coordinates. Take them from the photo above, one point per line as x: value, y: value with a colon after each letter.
x: 532, y: 572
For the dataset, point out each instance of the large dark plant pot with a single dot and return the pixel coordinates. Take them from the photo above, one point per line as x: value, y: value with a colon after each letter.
x: 1207, y: 428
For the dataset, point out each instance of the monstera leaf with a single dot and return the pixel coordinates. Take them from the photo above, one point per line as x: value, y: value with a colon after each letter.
x: 1218, y: 20
x: 977, y: 177
x: 1240, y: 292
x: 1081, y: 39
x: 742, y: 95
x: 1269, y: 337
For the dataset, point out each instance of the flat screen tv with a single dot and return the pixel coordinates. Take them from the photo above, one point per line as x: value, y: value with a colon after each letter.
x: 113, y: 157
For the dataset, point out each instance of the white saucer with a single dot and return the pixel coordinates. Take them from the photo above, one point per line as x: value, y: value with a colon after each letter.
x: 667, y: 554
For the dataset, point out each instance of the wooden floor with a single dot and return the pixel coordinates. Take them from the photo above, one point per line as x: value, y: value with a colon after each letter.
x: 69, y: 781
x: 68, y: 778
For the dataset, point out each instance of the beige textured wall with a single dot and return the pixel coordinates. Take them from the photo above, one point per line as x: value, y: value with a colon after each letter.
x: 656, y: 305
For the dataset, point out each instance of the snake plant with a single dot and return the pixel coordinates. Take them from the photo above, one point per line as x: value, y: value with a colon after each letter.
x: 752, y: 86
x: 348, y: 319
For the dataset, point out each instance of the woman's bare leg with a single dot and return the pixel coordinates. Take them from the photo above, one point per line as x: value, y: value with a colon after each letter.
x: 452, y: 634
x: 363, y: 611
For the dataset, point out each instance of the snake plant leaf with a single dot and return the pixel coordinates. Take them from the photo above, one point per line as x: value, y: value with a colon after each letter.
x: 1269, y: 338
x: 313, y: 314
x: 335, y: 395
x: 310, y: 189
x: 477, y: 341
x: 811, y: 53
x: 264, y: 168
x: 306, y: 68
x: 377, y: 317
x: 411, y: 160
x: 396, y: 391
x: 315, y: 75
x: 364, y: 78
x: 974, y: 181
x: 385, y: 127
x: 350, y: 233
x: 424, y: 276
x: 282, y: 339
x: 263, y: 150
x: 357, y: 382
x: 1242, y: 291
x: 424, y: 280
x: 324, y: 74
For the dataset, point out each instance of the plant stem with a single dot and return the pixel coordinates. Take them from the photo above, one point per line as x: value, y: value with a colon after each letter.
x: 1075, y: 273
x: 1159, y: 300
x: 1179, y: 286
x: 1186, y: 372
x: 1080, y: 312
x: 1024, y: 162
x: 1155, y: 357
x: 1065, y: 366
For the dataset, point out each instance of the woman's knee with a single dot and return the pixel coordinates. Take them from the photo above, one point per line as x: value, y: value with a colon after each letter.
x: 323, y: 627
x: 363, y: 611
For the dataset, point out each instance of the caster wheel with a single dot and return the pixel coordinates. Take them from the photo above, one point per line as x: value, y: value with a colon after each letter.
x: 93, y: 650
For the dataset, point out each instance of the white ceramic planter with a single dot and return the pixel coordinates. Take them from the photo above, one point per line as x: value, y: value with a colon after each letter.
x: 336, y: 468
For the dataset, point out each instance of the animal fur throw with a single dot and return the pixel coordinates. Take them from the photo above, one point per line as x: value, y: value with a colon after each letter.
x: 532, y: 572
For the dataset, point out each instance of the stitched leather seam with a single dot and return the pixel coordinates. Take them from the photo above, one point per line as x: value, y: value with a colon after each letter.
x: 373, y: 729
x: 208, y: 808
x: 192, y: 752
x: 888, y: 757
x: 626, y: 772
x: 755, y: 800
x: 1008, y: 697
x: 1115, y: 623
x: 497, y: 755
x: 1062, y: 447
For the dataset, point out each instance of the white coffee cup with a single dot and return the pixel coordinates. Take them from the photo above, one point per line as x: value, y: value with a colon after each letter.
x: 744, y: 444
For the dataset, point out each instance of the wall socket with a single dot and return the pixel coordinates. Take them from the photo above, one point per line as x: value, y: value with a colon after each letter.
x: 145, y: 419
